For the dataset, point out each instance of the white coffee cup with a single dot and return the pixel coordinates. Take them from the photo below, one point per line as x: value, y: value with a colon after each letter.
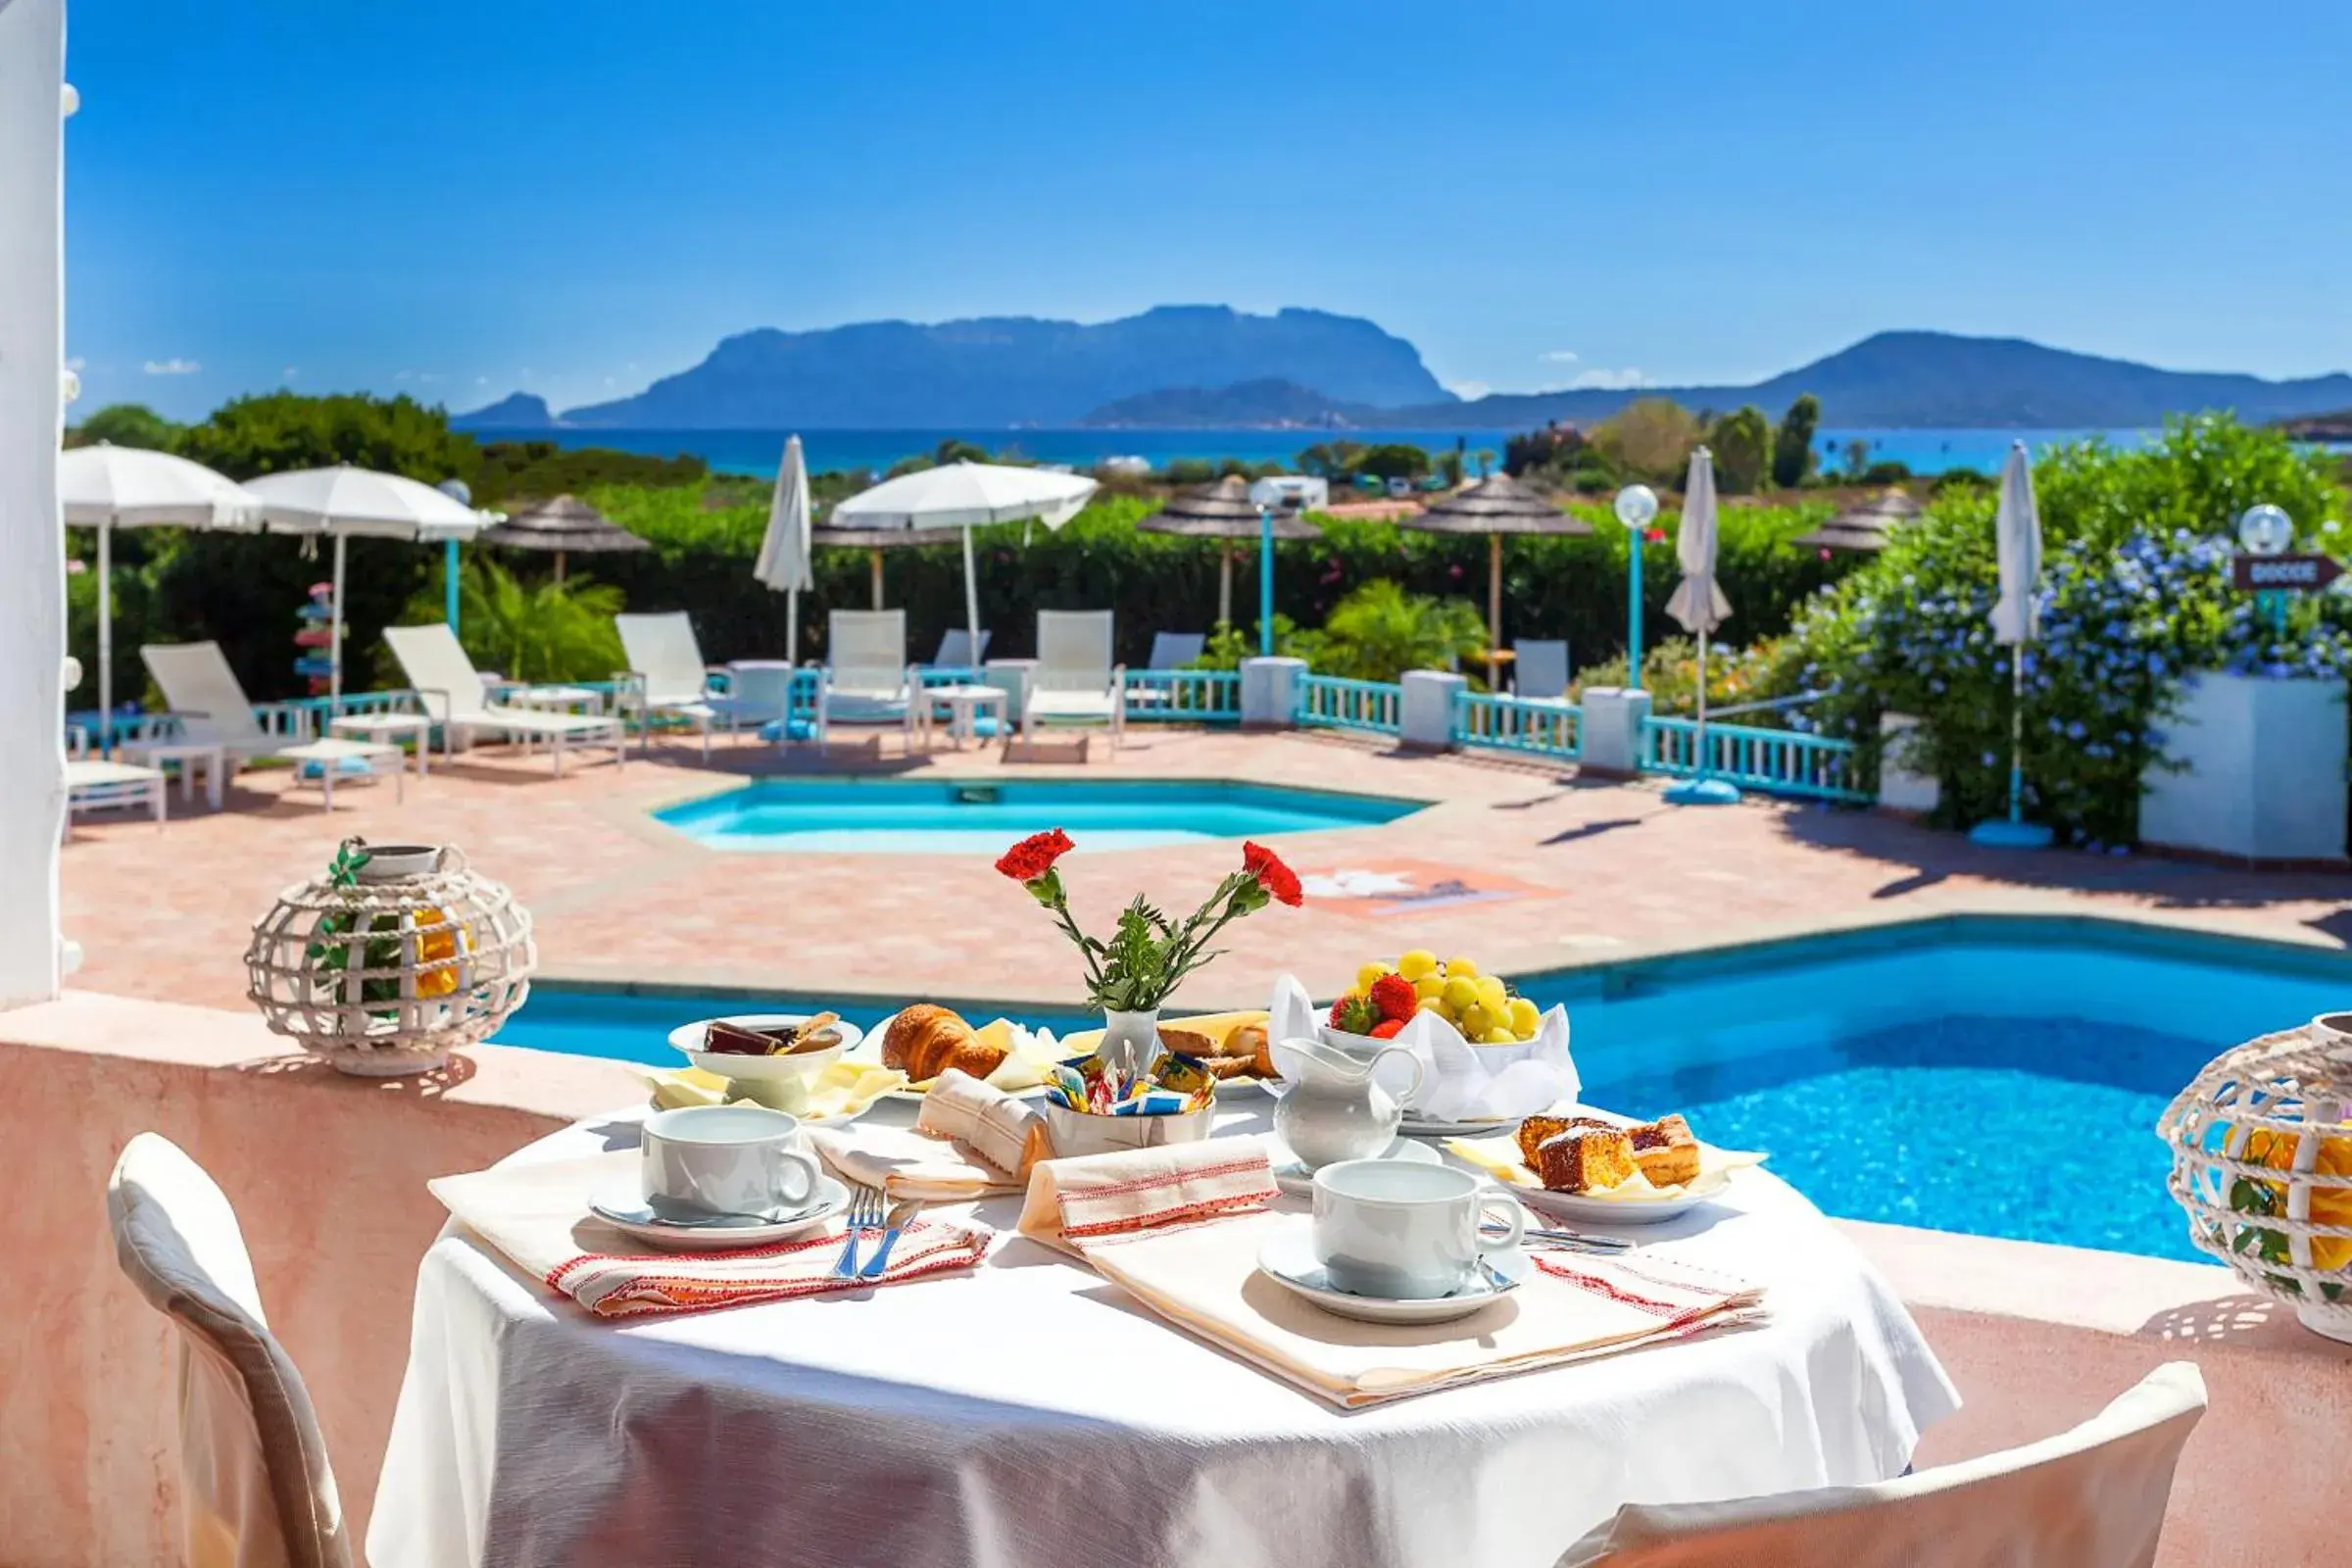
x: 1401, y: 1231
x: 727, y: 1160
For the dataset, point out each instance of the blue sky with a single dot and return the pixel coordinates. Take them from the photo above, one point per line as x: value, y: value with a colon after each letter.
x: 458, y: 200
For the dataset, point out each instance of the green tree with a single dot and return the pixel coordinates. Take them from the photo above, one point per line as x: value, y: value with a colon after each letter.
x: 1394, y: 459
x: 1379, y: 631
x: 1331, y: 459
x: 126, y: 424
x: 1792, y: 453
x: 1652, y: 437
x: 1741, y: 443
x: 274, y: 433
x: 541, y: 631
x: 1855, y: 455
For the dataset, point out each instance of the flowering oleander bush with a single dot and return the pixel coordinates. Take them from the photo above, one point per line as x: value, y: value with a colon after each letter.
x: 2136, y: 595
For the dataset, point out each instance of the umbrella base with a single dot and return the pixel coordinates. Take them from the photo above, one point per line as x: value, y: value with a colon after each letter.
x: 2002, y: 834
x: 1702, y: 792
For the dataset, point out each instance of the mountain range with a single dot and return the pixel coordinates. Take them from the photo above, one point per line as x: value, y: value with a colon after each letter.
x: 1210, y: 366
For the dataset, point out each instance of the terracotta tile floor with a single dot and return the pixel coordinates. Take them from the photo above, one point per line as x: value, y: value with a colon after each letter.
x: 1602, y: 870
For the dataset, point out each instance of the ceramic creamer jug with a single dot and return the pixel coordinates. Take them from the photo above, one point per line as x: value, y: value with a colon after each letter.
x: 1331, y: 1109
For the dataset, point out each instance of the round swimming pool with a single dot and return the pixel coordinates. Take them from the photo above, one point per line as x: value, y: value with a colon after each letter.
x: 936, y: 816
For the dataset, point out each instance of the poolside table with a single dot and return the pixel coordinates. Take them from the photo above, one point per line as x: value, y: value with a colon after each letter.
x: 1029, y: 1412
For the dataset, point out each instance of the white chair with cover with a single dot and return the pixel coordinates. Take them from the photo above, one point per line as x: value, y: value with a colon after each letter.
x: 256, y: 1488
x: 1175, y: 650
x: 210, y: 706
x: 1074, y: 680
x: 868, y: 680
x: 955, y: 650
x: 450, y: 690
x: 667, y: 668
x: 2093, y: 1497
x: 1542, y: 671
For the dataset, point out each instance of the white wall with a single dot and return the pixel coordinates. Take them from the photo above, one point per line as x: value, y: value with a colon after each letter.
x: 2265, y: 779
x: 32, y: 563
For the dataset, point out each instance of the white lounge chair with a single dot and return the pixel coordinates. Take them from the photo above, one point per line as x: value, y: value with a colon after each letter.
x: 1075, y: 682
x: 1174, y: 649
x: 868, y: 680
x: 955, y: 650
x: 1540, y: 671
x: 2093, y: 1497
x: 210, y: 706
x: 450, y: 690
x: 665, y: 665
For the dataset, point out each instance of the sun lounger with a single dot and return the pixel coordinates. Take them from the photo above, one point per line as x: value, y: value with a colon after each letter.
x: 450, y: 690
x: 868, y: 680
x: 208, y: 707
x: 1074, y: 681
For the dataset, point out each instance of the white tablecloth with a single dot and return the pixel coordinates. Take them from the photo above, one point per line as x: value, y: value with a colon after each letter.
x: 1028, y: 1415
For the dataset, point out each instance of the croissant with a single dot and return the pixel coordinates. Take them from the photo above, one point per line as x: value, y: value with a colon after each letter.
x: 924, y: 1041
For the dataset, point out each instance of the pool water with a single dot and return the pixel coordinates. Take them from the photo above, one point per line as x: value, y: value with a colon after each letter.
x: 1992, y: 1075
x: 910, y: 816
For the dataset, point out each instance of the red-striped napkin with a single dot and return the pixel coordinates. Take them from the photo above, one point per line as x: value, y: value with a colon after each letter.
x: 1073, y: 1201
x: 537, y: 1215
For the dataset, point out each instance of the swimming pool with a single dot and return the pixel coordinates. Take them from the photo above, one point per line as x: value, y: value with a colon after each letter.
x: 928, y: 816
x: 1995, y: 1075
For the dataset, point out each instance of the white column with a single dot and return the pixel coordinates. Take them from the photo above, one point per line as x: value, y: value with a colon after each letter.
x: 1270, y: 692
x: 2259, y: 774
x: 1612, y: 717
x: 32, y: 541
x: 1427, y: 720
x: 1902, y: 787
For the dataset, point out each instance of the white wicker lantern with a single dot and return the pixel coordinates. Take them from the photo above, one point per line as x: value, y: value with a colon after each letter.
x: 2262, y: 1161
x: 392, y: 958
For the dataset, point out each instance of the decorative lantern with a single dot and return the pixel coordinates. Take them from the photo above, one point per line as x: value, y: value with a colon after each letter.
x: 394, y: 956
x: 2262, y: 1161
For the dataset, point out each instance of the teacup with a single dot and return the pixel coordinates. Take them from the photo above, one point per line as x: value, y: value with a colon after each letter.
x: 727, y: 1160
x: 1398, y: 1231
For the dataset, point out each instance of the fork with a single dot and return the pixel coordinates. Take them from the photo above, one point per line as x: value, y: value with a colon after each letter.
x: 865, y: 1215
x: 900, y: 1214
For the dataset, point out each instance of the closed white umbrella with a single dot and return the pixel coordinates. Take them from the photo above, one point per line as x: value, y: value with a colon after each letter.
x: 1699, y: 605
x: 345, y: 500
x: 965, y: 495
x: 2015, y: 621
x: 108, y: 487
x: 783, y: 561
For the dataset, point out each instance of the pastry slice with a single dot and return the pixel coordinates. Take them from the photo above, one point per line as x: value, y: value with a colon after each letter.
x: 1585, y: 1159
x: 1536, y: 1130
x: 1666, y: 1152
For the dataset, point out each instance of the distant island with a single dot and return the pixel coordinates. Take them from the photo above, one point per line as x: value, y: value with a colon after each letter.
x: 2334, y: 429
x: 1191, y: 366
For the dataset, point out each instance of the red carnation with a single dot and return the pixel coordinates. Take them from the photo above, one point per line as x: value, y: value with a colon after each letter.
x: 1035, y: 855
x: 1276, y: 878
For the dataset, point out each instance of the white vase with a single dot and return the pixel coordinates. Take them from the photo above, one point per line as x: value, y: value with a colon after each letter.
x: 1130, y: 1041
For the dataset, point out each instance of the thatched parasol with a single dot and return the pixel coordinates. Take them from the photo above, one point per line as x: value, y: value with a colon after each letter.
x: 563, y: 525
x: 1494, y: 506
x: 1224, y: 511
x: 874, y: 541
x: 1864, y: 528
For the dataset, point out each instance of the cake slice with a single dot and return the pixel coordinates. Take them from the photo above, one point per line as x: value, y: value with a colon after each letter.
x: 1666, y: 1152
x: 1536, y: 1130
x: 1585, y: 1159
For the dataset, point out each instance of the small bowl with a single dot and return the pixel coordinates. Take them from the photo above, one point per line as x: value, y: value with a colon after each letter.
x: 751, y: 1070
x: 1080, y: 1132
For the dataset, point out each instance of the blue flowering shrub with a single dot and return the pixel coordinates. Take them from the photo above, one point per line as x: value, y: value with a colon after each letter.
x: 2135, y: 596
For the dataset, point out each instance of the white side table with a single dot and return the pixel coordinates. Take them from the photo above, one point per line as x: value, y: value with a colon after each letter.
x: 386, y: 729
x: 552, y: 699
x: 964, y: 704
x: 330, y: 754
x: 193, y: 756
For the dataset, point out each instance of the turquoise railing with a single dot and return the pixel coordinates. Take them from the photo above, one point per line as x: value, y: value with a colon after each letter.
x: 1518, y: 724
x: 1185, y: 696
x: 1330, y: 702
x: 1772, y: 762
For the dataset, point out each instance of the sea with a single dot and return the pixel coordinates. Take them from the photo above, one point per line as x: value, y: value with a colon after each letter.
x: 758, y: 452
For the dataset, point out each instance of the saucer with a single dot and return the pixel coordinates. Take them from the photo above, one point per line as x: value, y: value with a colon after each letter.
x: 1289, y: 1260
x: 1416, y: 1125
x: 623, y: 1207
x: 1292, y: 1177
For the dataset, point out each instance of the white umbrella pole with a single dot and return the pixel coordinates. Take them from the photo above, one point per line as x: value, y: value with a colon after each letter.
x: 105, y: 639
x: 792, y: 626
x: 1224, y: 585
x: 2017, y: 732
x: 334, y: 644
x: 1701, y: 759
x: 972, y: 599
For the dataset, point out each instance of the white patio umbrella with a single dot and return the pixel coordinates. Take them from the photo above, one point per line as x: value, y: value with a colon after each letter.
x: 108, y: 487
x: 783, y: 561
x: 1699, y: 605
x: 345, y: 500
x: 964, y: 495
x: 2015, y: 621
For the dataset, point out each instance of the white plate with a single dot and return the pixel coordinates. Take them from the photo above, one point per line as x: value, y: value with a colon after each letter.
x: 622, y: 1206
x: 1414, y: 1126
x: 1297, y: 1180
x: 688, y: 1039
x: 1623, y: 1210
x: 1289, y: 1260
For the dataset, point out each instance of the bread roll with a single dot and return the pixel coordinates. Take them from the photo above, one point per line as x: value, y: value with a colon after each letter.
x: 924, y: 1041
x: 1250, y: 1041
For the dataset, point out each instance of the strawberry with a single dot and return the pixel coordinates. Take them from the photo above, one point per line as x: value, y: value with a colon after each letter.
x: 1388, y: 1028
x: 1354, y: 1014
x: 1394, y: 995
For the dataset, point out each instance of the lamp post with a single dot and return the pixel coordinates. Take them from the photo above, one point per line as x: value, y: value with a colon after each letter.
x: 461, y: 493
x: 1637, y: 508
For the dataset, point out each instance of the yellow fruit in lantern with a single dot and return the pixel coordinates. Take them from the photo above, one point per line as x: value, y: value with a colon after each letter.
x: 1463, y: 967
x: 1461, y: 993
x: 2330, y: 1205
x: 437, y: 947
x: 1418, y: 964
x: 1524, y: 1018
x: 1366, y: 976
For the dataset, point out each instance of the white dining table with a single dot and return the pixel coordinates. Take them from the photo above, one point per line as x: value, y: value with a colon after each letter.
x: 1029, y: 1414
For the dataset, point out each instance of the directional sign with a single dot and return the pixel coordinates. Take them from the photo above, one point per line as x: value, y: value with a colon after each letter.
x: 2284, y: 573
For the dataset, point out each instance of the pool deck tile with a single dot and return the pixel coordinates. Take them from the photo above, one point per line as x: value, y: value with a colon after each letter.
x: 1593, y: 871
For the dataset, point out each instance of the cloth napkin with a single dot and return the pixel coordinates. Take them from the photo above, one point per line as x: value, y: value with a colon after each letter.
x: 841, y: 1090
x: 536, y: 1212
x: 1145, y: 1189
x: 1460, y: 1081
x: 1500, y: 1157
x: 910, y: 1164
x: 1007, y: 1134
